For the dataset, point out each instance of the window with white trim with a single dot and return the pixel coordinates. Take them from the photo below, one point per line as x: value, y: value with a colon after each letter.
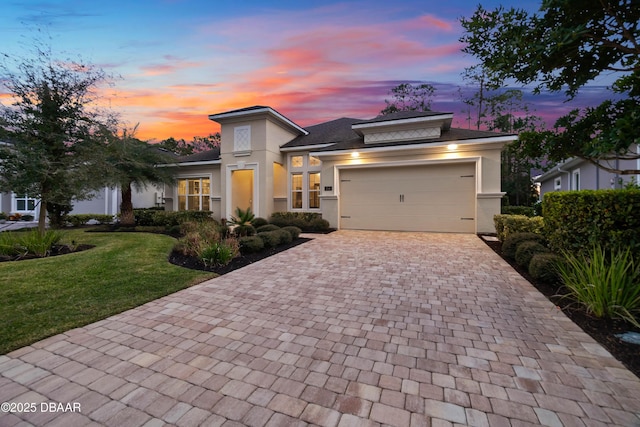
x: 304, y: 181
x: 557, y: 184
x: 194, y: 194
x: 23, y: 203
x: 575, y: 179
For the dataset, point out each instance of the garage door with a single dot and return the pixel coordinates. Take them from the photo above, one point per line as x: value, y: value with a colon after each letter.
x: 409, y: 198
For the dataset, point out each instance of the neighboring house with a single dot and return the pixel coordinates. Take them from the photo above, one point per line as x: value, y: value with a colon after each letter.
x: 406, y: 171
x: 579, y: 174
x: 106, y: 201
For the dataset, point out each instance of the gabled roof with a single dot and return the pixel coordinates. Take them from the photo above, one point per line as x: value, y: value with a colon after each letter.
x: 331, y: 132
x: 400, y: 115
x: 257, y: 110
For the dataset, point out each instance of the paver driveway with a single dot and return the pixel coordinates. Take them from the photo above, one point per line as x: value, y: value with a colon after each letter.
x: 353, y: 328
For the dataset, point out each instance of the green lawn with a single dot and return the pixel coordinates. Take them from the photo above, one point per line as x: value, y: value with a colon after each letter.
x: 43, y: 297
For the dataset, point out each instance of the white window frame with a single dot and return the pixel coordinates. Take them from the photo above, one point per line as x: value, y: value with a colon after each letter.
x: 305, y: 170
x: 575, y: 179
x: 14, y: 204
x: 201, y: 196
x: 557, y: 184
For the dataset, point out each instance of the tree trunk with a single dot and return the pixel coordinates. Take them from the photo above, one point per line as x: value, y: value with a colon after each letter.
x: 42, y: 215
x: 126, y: 207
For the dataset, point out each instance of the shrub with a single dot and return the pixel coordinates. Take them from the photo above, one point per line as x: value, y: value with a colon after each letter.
x: 169, y: 219
x: 510, y: 244
x: 526, y: 251
x: 578, y: 220
x: 507, y: 224
x: 319, y: 224
x: 191, y: 244
x: 244, y: 230
x: 250, y: 244
x: 284, y: 237
x: 606, y: 283
x: 258, y: 222
x: 527, y: 211
x: 30, y: 242
x: 242, y: 217
x: 294, y: 231
x: 77, y: 220
x: 269, y: 238
x: 306, y: 221
x: 544, y: 267
x: 220, y: 253
x: 267, y: 227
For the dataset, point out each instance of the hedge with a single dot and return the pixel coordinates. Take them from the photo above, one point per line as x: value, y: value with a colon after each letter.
x: 508, y: 224
x: 77, y: 220
x: 518, y: 210
x: 306, y: 221
x: 576, y: 220
x: 162, y: 218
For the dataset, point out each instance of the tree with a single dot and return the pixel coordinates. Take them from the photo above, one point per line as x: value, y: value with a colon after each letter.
x: 197, y: 145
x: 408, y: 97
x: 564, y: 46
x: 133, y: 163
x: 50, y: 128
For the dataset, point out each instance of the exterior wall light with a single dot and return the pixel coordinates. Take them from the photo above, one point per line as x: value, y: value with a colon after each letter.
x: 452, y: 147
x: 355, y: 155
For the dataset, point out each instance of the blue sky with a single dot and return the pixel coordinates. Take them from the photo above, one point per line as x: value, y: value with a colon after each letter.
x: 181, y: 60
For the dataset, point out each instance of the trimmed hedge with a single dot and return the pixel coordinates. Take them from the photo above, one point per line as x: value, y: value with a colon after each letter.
x: 162, y: 218
x: 577, y: 220
x: 294, y: 231
x: 518, y: 210
x: 258, y: 222
x: 269, y: 238
x: 251, y: 244
x: 511, y: 243
x: 77, y: 220
x: 508, y: 224
x: 267, y: 227
x: 526, y: 251
x: 305, y: 221
x: 544, y: 267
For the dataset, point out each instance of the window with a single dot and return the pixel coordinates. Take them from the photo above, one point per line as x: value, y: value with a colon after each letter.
x: 194, y: 194
x: 305, y: 181
x: 23, y: 203
x: 557, y: 184
x: 575, y: 180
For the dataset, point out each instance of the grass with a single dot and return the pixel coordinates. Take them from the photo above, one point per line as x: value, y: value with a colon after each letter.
x: 43, y: 297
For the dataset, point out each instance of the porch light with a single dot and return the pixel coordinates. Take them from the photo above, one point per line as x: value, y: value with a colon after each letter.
x: 355, y: 155
x: 452, y: 147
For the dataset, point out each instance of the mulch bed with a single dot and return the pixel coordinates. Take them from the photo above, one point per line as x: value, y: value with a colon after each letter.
x: 55, y: 250
x: 196, y: 264
x: 602, y: 330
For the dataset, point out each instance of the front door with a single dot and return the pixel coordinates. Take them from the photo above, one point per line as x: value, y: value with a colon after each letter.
x: 241, y: 190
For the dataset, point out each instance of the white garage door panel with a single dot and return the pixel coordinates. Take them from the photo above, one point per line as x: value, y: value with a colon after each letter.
x: 412, y: 198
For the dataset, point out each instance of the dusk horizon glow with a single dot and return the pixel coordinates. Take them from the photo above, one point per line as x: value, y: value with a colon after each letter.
x: 182, y: 60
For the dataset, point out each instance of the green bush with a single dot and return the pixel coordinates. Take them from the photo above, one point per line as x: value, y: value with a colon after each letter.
x: 191, y: 244
x: 526, y: 251
x: 28, y: 243
x: 507, y: 224
x: 244, y: 230
x: 258, y: 222
x: 606, y: 283
x: 269, y: 238
x: 294, y: 231
x: 220, y: 253
x: 578, y: 220
x: 544, y: 267
x: 305, y: 221
x: 511, y: 243
x: 251, y: 244
x: 284, y: 237
x: 267, y: 227
x: 77, y: 220
x: 156, y: 217
x: 518, y: 210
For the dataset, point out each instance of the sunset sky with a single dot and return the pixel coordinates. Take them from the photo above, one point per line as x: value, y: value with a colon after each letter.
x: 313, y: 61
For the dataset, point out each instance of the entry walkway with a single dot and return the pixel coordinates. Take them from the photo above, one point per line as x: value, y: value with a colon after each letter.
x: 350, y: 329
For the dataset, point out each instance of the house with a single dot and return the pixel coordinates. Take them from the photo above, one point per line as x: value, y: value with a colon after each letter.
x: 579, y: 174
x: 105, y: 201
x: 406, y: 171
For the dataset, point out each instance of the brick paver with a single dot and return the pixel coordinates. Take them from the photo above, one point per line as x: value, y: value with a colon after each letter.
x: 350, y: 329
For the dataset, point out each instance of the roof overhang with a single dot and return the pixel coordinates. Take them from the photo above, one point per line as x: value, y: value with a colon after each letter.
x: 305, y: 147
x: 248, y: 113
x: 183, y: 164
x: 497, y: 141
